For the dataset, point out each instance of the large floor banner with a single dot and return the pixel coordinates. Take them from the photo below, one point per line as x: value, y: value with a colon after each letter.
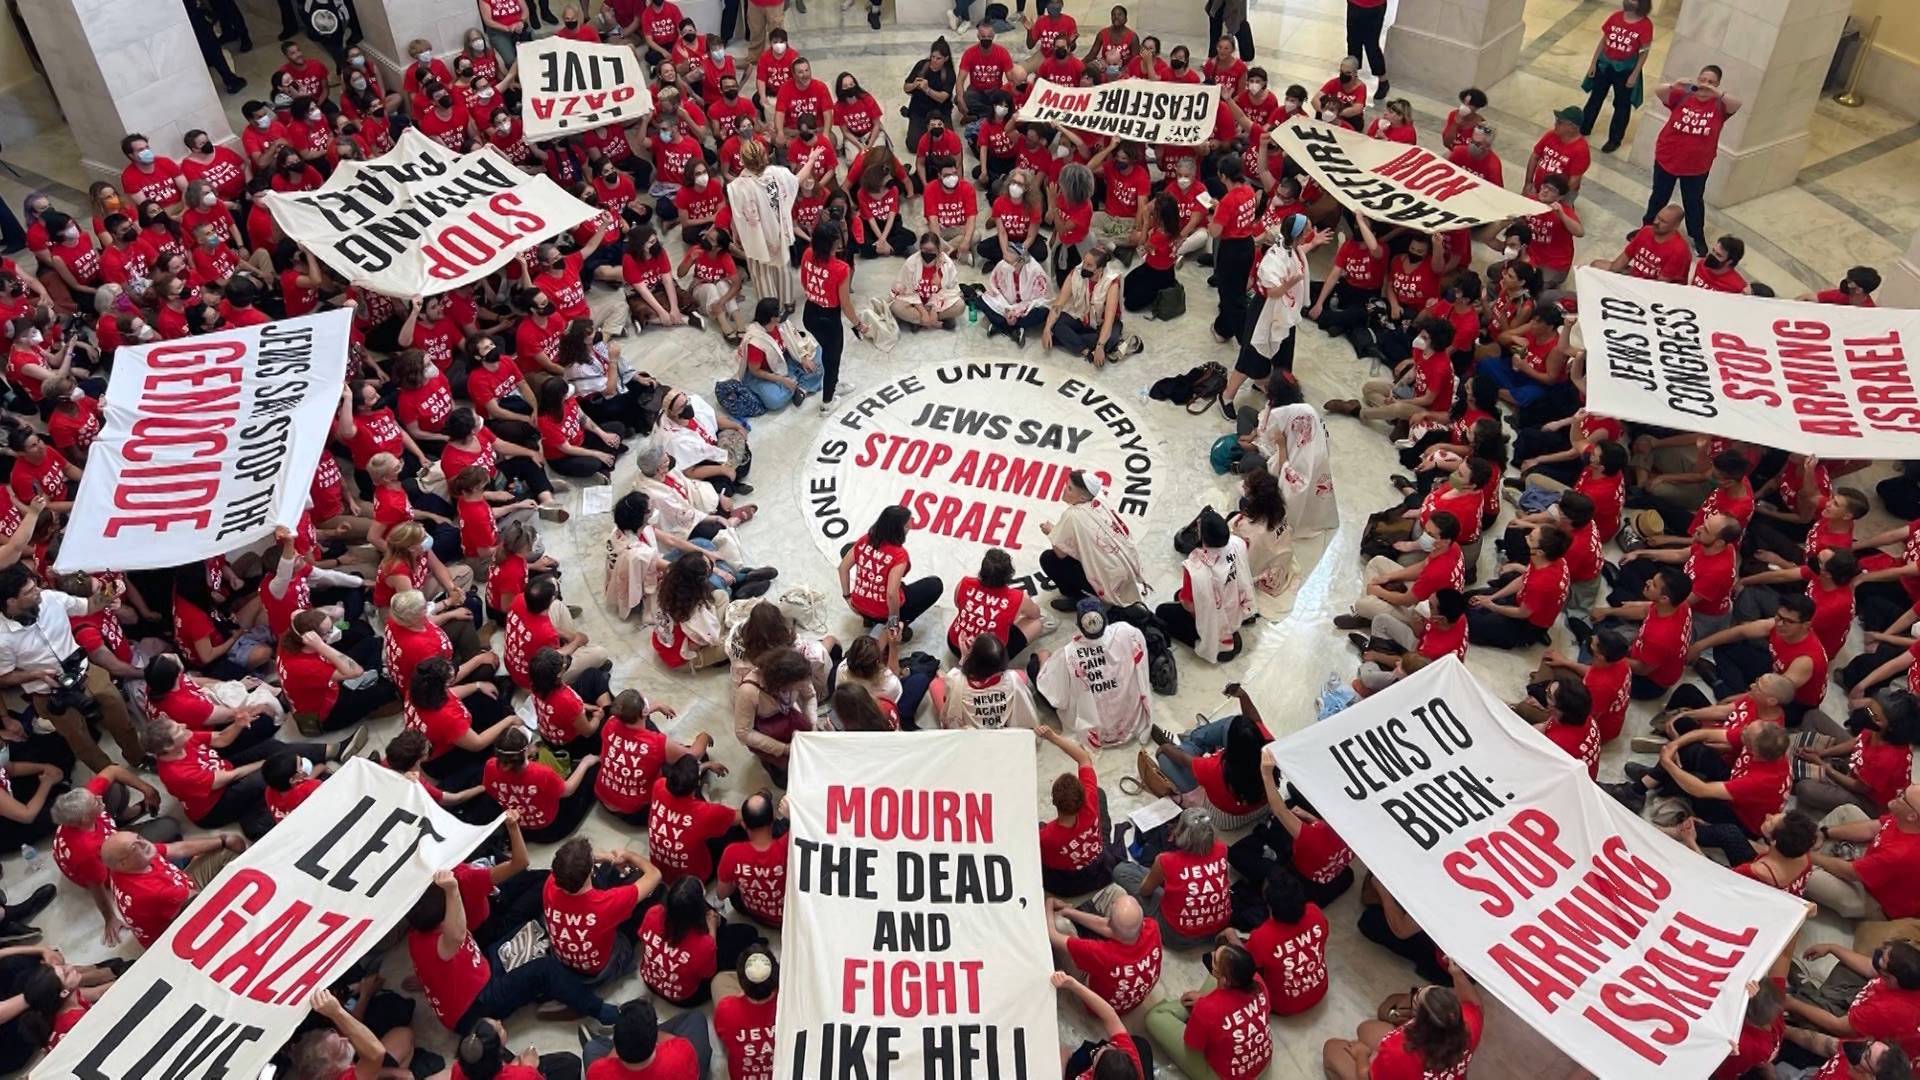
x: 574, y: 86
x: 1137, y: 110
x: 1838, y: 381
x: 209, y: 443
x: 1619, y: 945
x: 422, y: 219
x: 1394, y: 182
x: 916, y: 941
x: 226, y: 985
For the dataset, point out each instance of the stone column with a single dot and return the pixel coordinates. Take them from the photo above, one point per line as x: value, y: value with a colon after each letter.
x: 120, y: 66
x: 1775, y: 55
x: 1445, y: 45
x: 390, y: 24
x: 1900, y: 284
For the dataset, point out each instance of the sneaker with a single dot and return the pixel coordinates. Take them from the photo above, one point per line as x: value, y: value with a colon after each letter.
x: 1048, y: 625
x: 354, y: 744
x: 1631, y: 796
x: 1159, y: 735
x: 1380, y: 93
x: 1226, y: 409
x: 1637, y: 772
x: 1019, y: 337
x: 1133, y: 346
x: 693, y: 317
x: 1066, y: 603
x: 1352, y: 622
x: 1646, y: 744
x: 34, y: 904
x: 825, y: 406
x: 953, y: 22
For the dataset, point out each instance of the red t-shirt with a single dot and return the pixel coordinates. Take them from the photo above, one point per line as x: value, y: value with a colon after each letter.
x: 1890, y: 870
x: 1075, y: 847
x: 189, y: 777
x: 1319, y: 855
x: 1580, y: 741
x: 76, y: 849
x: 872, y: 566
x: 1610, y: 686
x: 1662, y: 644
x: 673, y: 1056
x: 1196, y: 902
x: 1359, y: 267
x: 1393, y: 1060
x: 675, y: 970
x: 631, y: 756
x: 1727, y: 280
x: 1882, y: 1010
x: 1658, y: 260
x: 760, y: 878
x: 1712, y: 574
x: 1238, y: 213
x: 285, y: 802
x: 148, y: 901
x: 1293, y: 960
x: 678, y: 830
x: 1623, y: 40
x: 186, y: 704
x: 745, y: 1028
x: 1687, y: 145
x: 453, y: 985
x: 822, y: 282
x: 1122, y: 973
x: 1552, y: 245
x: 442, y: 726
x: 1759, y: 790
x: 1229, y: 1028
x: 534, y: 789
x: 583, y: 926
x: 1756, y: 1045
x: 1569, y: 159
x: 986, y: 67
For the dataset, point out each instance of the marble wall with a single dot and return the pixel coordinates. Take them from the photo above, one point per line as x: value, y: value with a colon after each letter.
x: 390, y: 24
x: 117, y: 66
x: 1444, y: 45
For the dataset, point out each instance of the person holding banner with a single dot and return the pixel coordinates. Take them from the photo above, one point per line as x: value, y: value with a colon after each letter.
x: 1116, y: 1056
x: 762, y: 199
x: 1439, y: 1029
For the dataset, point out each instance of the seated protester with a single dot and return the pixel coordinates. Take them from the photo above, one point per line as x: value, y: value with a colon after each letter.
x: 654, y: 295
x: 1161, y: 234
x: 1606, y: 677
x: 1185, y: 889
x: 1655, y: 252
x: 684, y: 943
x: 698, y: 201
x: 1289, y: 946
x: 482, y: 512
x: 633, y: 753
x: 778, y: 376
x: 1439, y: 1029
x: 1875, y: 883
x: 873, y: 575
x: 1084, y: 318
x: 550, y: 806
x: 753, y: 872
x: 1460, y: 488
x: 644, y: 1046
x: 1399, y: 592
x: 1017, y: 298
x: 698, y: 438
x: 404, y: 753
x: 411, y: 565
x: 461, y: 736
x: 716, y: 281
x: 1385, y: 923
x: 1109, y: 711
x: 1424, y: 381
x: 1216, y: 593
x: 1572, y: 517
x: 1016, y: 215
x: 414, y: 633
x: 1075, y: 854
x: 592, y: 928
x: 634, y: 564
x: 854, y: 709
x: 467, y: 986
x: 27, y: 793
x: 84, y: 817
x: 1855, y: 290
x: 1537, y: 594
x: 1791, y: 500
x: 926, y: 293
x: 1395, y: 649
x: 569, y: 713
x: 983, y: 691
x: 1785, y: 644
x: 346, y: 1048
x: 1784, y: 861
x: 1111, y: 943
x: 1353, y: 284
x: 1567, y: 722
x: 990, y: 603
x: 1732, y: 802
x: 685, y: 832
x: 291, y: 579
x: 149, y: 890
x: 530, y: 627
x: 209, y: 635
x: 1829, y: 574
x: 1533, y: 374
x: 744, y: 1022
x: 1221, y: 1032
x: 215, y: 792
x: 950, y: 205
x: 879, y: 209
x: 686, y: 617
x: 1684, y: 499
x: 1658, y: 656
x: 776, y: 702
x: 291, y: 780
x: 1216, y: 766
x: 872, y: 662
x: 572, y: 442
x: 508, y: 464
x: 1867, y: 768
x: 1864, y: 996
x: 1116, y: 1056
x: 1296, y: 839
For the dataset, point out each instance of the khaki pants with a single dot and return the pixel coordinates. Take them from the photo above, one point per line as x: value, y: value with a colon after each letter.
x: 113, y: 717
x: 1848, y: 899
x: 1372, y: 607
x: 761, y: 21
x: 1378, y: 403
x: 908, y: 312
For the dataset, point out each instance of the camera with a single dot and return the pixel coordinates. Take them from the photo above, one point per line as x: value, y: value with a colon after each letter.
x: 70, y: 687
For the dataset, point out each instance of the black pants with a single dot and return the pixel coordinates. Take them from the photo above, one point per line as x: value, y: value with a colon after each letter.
x: 1242, y: 37
x: 515, y: 902
x: 357, y: 703
x: 826, y: 327
x: 1232, y: 262
x: 244, y: 800
x: 1608, y: 79
x: 573, y: 810
x: 1269, y: 845
x: 1364, y: 27
x: 571, y: 465
x: 915, y: 598
x: 1180, y: 625
x: 209, y: 42
x: 1419, y: 950
x: 1066, y: 573
x: 1693, y: 196
x: 1142, y: 284
x: 899, y: 239
x: 992, y: 251
x: 14, y: 834
x: 537, y: 981
x: 1034, y: 319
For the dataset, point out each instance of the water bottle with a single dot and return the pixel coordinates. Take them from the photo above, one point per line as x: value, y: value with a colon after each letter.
x: 973, y: 314
x: 31, y: 856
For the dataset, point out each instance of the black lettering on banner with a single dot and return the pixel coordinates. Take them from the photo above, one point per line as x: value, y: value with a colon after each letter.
x: 582, y: 89
x: 377, y: 228
x: 1379, y: 197
x: 1403, y: 765
x: 195, y: 1043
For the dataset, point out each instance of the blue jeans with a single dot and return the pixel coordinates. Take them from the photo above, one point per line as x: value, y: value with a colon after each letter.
x: 714, y: 579
x: 775, y: 396
x: 1199, y: 742
x: 1526, y: 392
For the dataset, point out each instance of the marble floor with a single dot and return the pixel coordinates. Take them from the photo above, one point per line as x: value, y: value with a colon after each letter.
x: 1797, y: 239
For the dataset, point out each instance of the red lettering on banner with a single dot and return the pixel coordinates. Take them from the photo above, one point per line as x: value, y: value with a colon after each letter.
x: 1746, y: 374
x: 885, y: 813
x: 214, y: 932
x: 910, y: 988
x: 464, y: 244
x: 190, y: 398
x: 1421, y: 172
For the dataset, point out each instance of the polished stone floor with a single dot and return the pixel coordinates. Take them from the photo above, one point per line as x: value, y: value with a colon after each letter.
x: 1797, y: 239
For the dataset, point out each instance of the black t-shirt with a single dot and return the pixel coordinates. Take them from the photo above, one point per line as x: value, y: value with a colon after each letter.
x: 918, y: 103
x: 15, y: 1049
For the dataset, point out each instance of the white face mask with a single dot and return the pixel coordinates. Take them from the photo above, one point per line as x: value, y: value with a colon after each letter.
x: 304, y: 768
x: 425, y: 57
x: 34, y: 338
x: 357, y: 61
x: 779, y: 48
x: 949, y: 182
x: 144, y: 332
x: 1512, y: 250
x: 314, y: 116
x: 1254, y: 86
x: 1015, y: 191
x: 1427, y: 541
x: 263, y: 121
x: 357, y: 83
x: 485, y: 94
x: 717, y: 55
x: 1422, y: 344
x: 1184, y: 181
x: 209, y: 201
x: 71, y: 235
x: 476, y: 46
x: 1062, y: 151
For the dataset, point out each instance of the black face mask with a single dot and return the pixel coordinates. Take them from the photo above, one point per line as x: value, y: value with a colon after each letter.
x: 1860, y: 720
x: 929, y: 256
x: 836, y: 212
x: 1348, y: 76
x: 730, y: 93
x: 936, y: 133
x: 542, y: 310
x: 444, y: 102
x: 1179, y: 65
x: 1715, y: 262
x: 1086, y: 272
x: 686, y: 411
x: 574, y: 24
x: 688, y: 36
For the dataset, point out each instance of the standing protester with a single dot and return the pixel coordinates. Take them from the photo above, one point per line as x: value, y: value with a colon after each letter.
x: 1686, y: 148
x: 1366, y: 21
x: 1618, y: 66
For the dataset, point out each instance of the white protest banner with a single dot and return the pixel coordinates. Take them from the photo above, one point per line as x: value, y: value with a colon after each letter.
x: 422, y: 219
x: 226, y: 985
x: 1621, y: 947
x: 1832, y: 380
x: 1138, y: 110
x: 207, y: 444
x: 573, y: 86
x: 1394, y: 182
x: 916, y: 933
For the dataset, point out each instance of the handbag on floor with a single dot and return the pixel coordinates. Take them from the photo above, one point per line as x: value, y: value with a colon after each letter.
x: 1170, y: 302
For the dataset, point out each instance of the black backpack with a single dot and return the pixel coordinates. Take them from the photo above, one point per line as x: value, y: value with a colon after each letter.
x: 1201, y: 383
